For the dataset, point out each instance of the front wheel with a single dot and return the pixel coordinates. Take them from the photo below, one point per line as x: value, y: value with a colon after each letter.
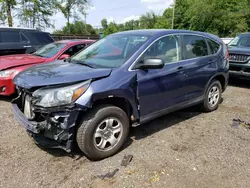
x: 213, y: 96
x: 103, y: 132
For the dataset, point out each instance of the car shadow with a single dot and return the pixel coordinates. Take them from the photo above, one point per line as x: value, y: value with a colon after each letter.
x: 236, y: 82
x: 7, y: 99
x: 164, y: 122
x: 140, y: 132
x: 56, y: 152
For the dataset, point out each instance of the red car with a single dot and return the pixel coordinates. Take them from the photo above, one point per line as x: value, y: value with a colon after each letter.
x: 11, y: 65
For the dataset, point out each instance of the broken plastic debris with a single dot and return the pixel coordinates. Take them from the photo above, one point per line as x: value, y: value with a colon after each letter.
x: 109, y: 174
x: 237, y: 122
x: 126, y: 160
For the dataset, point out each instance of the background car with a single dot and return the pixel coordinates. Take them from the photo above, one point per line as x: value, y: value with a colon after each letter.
x: 239, y: 56
x: 11, y: 65
x: 22, y: 40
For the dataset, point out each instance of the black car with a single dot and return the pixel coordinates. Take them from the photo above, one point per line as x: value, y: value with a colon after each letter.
x: 239, y: 56
x: 21, y: 40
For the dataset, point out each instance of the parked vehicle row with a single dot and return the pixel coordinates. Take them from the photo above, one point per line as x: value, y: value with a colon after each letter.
x: 22, y: 41
x: 121, y: 81
x: 11, y: 65
x: 239, y: 50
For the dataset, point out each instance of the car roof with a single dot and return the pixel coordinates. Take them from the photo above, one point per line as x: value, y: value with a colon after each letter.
x: 23, y: 29
x: 75, y: 41
x: 247, y: 33
x: 160, y: 32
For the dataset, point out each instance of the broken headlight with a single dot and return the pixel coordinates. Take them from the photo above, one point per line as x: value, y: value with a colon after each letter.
x: 51, y: 97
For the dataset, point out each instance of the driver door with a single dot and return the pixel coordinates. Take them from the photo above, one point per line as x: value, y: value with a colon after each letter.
x: 162, y: 89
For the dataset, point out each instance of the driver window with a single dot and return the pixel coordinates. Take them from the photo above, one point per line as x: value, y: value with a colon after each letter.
x: 166, y: 48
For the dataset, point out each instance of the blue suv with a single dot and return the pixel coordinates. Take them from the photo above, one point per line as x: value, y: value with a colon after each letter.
x: 121, y: 81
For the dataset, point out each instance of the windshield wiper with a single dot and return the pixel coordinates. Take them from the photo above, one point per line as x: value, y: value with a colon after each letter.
x: 38, y: 55
x: 83, y: 63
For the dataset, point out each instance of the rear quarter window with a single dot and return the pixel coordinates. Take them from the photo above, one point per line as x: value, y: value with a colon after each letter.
x: 214, y: 46
x: 10, y: 36
x: 194, y: 46
x: 39, y: 37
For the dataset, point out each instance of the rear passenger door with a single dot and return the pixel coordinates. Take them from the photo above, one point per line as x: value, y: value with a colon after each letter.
x: 162, y: 89
x: 200, y: 64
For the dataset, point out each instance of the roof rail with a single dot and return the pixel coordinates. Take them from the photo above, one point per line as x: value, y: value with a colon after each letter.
x: 26, y: 28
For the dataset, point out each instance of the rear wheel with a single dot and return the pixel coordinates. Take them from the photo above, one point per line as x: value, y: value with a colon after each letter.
x: 213, y: 96
x: 103, y: 132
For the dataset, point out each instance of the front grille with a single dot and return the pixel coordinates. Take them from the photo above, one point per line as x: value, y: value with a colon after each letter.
x: 238, y: 58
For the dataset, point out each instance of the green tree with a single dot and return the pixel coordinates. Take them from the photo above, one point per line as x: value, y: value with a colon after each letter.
x: 165, y: 20
x: 6, y: 7
x: 148, y: 20
x: 112, y: 28
x: 180, y: 16
x: 77, y: 28
x: 71, y: 8
x: 36, y: 13
x: 220, y: 17
x: 104, y: 23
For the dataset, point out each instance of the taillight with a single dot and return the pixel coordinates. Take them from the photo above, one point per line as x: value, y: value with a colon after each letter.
x: 227, y: 55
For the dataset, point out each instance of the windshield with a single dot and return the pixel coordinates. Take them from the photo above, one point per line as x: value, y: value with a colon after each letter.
x: 50, y: 50
x: 111, y: 51
x: 242, y: 40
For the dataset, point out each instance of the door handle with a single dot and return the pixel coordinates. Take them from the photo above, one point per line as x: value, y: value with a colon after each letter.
x: 26, y: 46
x: 180, y: 69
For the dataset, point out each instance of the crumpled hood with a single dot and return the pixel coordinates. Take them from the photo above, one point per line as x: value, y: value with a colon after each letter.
x: 239, y: 50
x: 10, y: 61
x: 57, y: 73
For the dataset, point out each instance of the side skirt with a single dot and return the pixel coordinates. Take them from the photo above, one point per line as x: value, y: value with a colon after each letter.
x: 165, y: 111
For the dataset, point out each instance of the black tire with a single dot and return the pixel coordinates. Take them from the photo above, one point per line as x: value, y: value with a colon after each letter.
x: 86, y: 131
x: 207, y: 107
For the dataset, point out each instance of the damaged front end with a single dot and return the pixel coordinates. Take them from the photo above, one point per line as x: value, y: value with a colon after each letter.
x: 49, y: 127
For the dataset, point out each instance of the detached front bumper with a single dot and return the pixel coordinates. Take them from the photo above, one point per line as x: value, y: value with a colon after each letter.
x: 20, y: 117
x: 57, y: 130
x: 7, y: 86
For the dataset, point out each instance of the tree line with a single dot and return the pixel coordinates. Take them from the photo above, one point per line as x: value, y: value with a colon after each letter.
x: 38, y: 13
x: 224, y: 18
x: 221, y: 17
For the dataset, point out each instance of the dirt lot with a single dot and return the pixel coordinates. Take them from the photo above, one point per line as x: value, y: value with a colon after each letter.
x: 183, y: 149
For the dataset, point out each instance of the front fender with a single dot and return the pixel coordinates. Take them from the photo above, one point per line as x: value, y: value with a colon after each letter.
x: 125, y: 88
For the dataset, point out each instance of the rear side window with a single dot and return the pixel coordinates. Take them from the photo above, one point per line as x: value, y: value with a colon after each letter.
x: 214, y: 47
x: 194, y: 46
x: 80, y: 47
x: 10, y: 36
x: 39, y: 37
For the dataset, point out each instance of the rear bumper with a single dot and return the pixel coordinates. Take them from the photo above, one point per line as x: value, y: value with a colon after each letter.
x: 240, y: 74
x: 239, y: 70
x: 7, y: 87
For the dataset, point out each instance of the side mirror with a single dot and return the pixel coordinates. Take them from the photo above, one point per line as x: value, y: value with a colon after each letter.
x: 150, y: 64
x: 64, y: 56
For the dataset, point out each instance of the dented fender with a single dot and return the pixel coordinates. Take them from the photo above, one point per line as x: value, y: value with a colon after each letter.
x: 125, y: 87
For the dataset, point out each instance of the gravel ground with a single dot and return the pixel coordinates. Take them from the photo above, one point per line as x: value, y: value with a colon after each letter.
x: 183, y: 149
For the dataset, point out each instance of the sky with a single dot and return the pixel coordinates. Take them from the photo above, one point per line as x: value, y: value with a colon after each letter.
x: 119, y: 11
